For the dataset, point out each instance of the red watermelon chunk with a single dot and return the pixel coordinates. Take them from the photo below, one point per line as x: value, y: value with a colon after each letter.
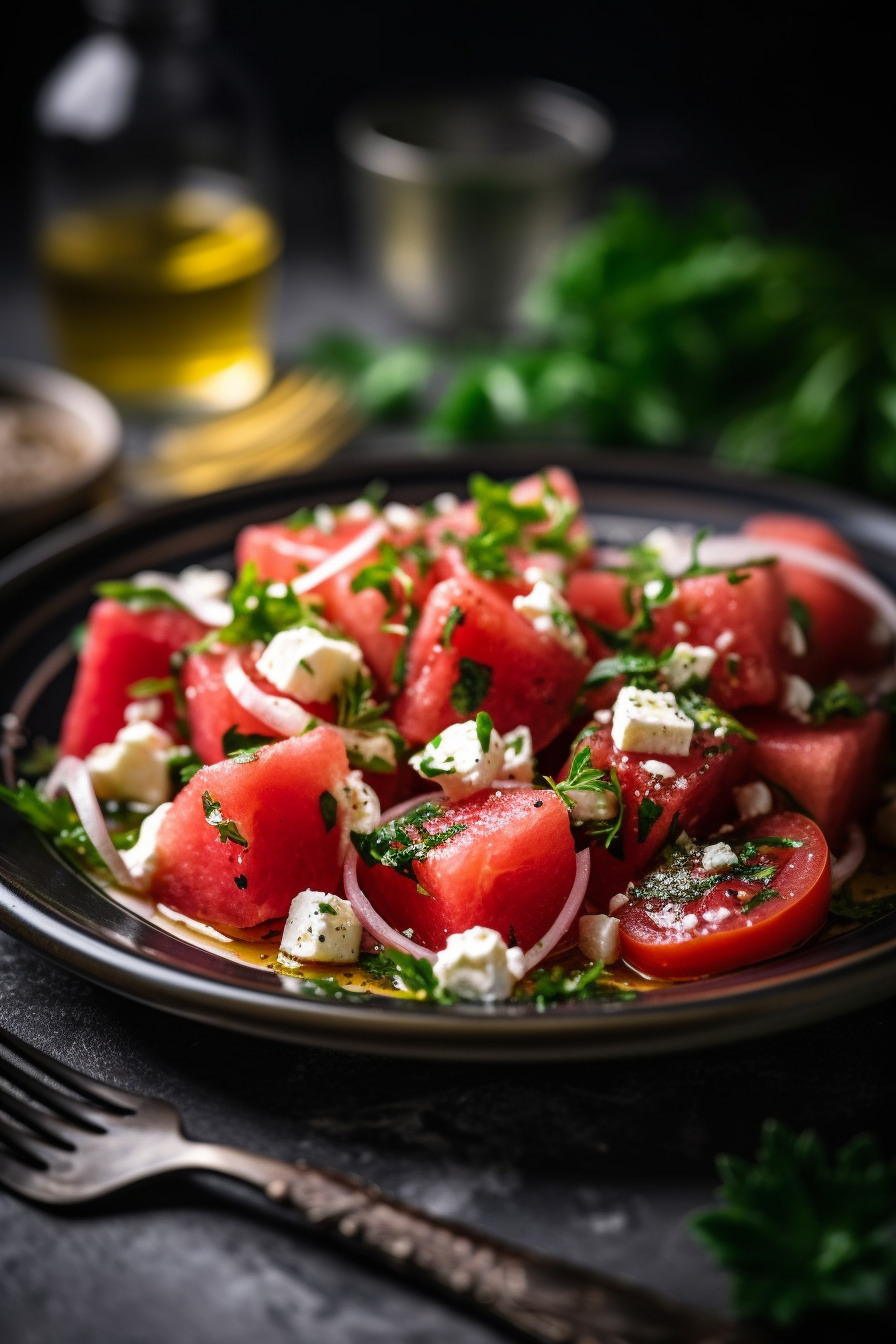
x: 510, y: 870
x: 696, y: 800
x: 280, y: 552
x: 211, y: 709
x: 493, y: 660
x: 840, y: 629
x: 121, y: 647
x: 832, y: 771
x: 744, y: 620
x: 275, y: 803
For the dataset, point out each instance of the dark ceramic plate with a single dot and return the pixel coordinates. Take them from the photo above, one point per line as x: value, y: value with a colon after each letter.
x: 44, y: 593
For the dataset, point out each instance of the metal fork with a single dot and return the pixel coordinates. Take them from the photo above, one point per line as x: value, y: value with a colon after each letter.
x: 82, y: 1140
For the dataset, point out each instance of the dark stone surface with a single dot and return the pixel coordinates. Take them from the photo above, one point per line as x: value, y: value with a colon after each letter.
x: 599, y: 1162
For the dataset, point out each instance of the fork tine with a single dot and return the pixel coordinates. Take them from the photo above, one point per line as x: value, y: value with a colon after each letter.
x: 73, y: 1108
x: 25, y: 1142
x: 51, y: 1127
x: 113, y: 1097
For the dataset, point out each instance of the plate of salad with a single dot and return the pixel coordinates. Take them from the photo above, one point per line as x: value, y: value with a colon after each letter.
x: 585, y: 758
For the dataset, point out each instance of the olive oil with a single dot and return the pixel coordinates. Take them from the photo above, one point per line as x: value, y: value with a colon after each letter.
x: 165, y: 304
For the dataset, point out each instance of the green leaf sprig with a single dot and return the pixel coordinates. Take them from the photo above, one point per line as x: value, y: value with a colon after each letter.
x: 583, y: 777
x: 401, y: 843
x: 802, y: 1230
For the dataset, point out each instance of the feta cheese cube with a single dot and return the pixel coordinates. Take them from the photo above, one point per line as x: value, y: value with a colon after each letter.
x: 320, y: 927
x: 550, y: 614
x: 797, y: 698
x: 688, y: 663
x: 650, y: 721
x: 599, y: 938
x: 359, y: 511
x: 753, y: 800
x: 135, y: 767
x: 325, y: 519
x: 518, y: 758
x: 717, y: 858
x: 401, y: 518
x: 456, y: 762
x: 674, y: 549
x: 446, y: 502
x: 479, y: 966
x: 140, y: 859
x: 310, y: 665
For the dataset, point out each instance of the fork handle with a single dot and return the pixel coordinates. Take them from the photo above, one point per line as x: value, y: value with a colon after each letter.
x: 542, y: 1298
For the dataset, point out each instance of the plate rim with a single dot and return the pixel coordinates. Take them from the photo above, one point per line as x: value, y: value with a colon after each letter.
x: 866, y: 972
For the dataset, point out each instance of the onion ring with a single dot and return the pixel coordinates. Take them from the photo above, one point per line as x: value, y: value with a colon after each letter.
x: 70, y: 774
x: 378, y: 927
x: 341, y: 559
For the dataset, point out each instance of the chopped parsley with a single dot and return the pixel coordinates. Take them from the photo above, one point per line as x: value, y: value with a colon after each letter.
x: 414, y: 974
x: 357, y: 710
x: 675, y: 880
x: 472, y: 686
x: 554, y: 984
x: 836, y: 699
x: 328, y: 810
x: 324, y: 907
x: 386, y: 575
x: 243, y: 746
x: 638, y: 669
x: 262, y: 609
x: 800, y: 614
x: 648, y: 813
x: 707, y: 716
x: 152, y: 686
x: 54, y: 817
x: 135, y: 597
x: 227, y: 830
x: 400, y: 843
x: 484, y: 730
x: 454, y: 618
x: 502, y: 526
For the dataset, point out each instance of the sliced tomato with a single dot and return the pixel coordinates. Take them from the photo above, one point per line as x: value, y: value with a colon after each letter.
x: 732, y: 921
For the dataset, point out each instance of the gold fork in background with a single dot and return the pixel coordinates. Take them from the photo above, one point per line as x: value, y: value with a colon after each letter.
x: 301, y: 421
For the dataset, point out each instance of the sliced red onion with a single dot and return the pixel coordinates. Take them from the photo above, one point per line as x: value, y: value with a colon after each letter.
x: 842, y: 869
x: 70, y: 774
x: 379, y: 928
x: 274, y: 711
x: 213, y: 611
x: 341, y: 559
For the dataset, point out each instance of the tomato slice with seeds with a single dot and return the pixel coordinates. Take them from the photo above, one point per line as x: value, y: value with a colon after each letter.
x: 682, y: 921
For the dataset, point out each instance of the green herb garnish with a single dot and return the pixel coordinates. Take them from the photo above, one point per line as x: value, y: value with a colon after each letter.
x: 648, y: 813
x: 227, y: 830
x: 399, y: 844
x: 802, y: 1231
x: 54, y: 817
x: 139, y: 599
x: 329, y: 811
x: 554, y: 984
x: 836, y: 699
x: 583, y: 777
x: 472, y: 686
x: 454, y: 618
x: 416, y: 974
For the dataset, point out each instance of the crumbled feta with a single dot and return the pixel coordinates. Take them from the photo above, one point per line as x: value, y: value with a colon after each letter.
x: 135, y: 767
x: 654, y: 589
x: 650, y: 721
x: 455, y: 760
x: 797, y: 698
x: 599, y: 938
x: 359, y: 511
x: 277, y: 590
x: 374, y: 749
x: 401, y: 518
x: 320, y: 927
x: 359, y: 808
x: 724, y: 641
x: 202, y: 584
x: 675, y: 549
x: 550, y: 614
x: 688, y: 663
x: 537, y: 573
x: 591, y: 805
x: 604, y: 716
x: 325, y: 519
x: 518, y: 758
x: 140, y: 859
x: 661, y: 769
x: 753, y: 800
x: 310, y: 665
x: 445, y: 502
x: 718, y: 857
x: 150, y: 709
x: 478, y: 965
x: 793, y: 639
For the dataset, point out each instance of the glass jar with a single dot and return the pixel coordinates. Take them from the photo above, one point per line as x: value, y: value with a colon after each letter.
x: 157, y: 244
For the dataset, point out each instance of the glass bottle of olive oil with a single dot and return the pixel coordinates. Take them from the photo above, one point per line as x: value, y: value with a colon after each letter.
x: 157, y: 245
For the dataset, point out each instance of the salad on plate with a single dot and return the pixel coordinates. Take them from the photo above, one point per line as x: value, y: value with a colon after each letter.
x: 462, y: 752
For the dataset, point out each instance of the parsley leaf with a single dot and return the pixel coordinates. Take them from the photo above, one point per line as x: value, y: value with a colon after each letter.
x: 800, y: 614
x: 328, y: 811
x: 152, y: 686
x: 638, y: 669
x: 554, y: 984
x: 400, y: 843
x: 132, y: 595
x: 707, y: 716
x: 227, y: 830
x: 236, y: 743
x: 386, y: 575
x: 54, y: 817
x: 583, y: 777
x: 484, y: 729
x: 472, y: 686
x: 648, y: 813
x: 416, y: 974
x: 260, y: 613
x: 803, y: 1231
x: 836, y: 699
x: 454, y: 618
x: 502, y: 525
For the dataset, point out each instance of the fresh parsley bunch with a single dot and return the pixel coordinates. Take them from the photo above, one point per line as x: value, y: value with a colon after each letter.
x: 802, y: 1231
